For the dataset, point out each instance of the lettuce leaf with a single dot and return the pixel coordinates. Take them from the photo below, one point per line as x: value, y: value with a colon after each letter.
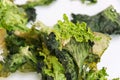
x: 12, y: 17
x: 106, y: 21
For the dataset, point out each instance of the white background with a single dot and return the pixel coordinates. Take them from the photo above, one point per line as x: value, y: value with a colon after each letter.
x: 49, y: 16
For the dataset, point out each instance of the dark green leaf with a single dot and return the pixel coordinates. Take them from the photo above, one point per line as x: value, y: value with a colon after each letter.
x: 107, y: 21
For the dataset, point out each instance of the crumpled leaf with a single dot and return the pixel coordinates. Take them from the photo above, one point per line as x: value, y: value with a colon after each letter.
x: 12, y: 17
x: 107, y: 21
x: 53, y: 67
x: 64, y: 30
x: 102, y: 44
x: 79, y: 51
x: 98, y: 74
